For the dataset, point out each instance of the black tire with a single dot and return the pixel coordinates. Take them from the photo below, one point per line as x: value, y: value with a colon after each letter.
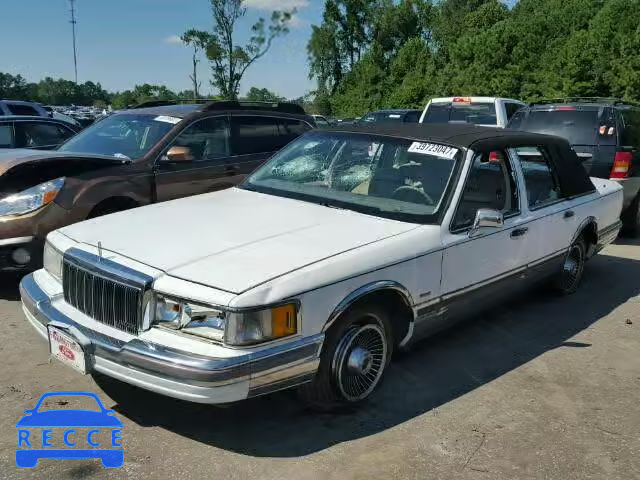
x: 568, y: 278
x: 347, y: 375
x: 631, y: 218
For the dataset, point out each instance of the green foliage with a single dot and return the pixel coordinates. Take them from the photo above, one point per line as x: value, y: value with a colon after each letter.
x: 50, y: 91
x: 199, y: 41
x: 416, y: 49
x: 142, y: 93
x: 262, y: 95
x: 229, y: 61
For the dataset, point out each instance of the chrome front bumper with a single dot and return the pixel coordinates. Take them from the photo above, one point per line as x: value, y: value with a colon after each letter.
x: 177, y: 373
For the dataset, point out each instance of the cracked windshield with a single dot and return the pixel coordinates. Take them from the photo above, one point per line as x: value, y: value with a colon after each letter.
x: 372, y: 175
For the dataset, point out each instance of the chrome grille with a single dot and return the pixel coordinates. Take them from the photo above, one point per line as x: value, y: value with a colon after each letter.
x: 112, y: 301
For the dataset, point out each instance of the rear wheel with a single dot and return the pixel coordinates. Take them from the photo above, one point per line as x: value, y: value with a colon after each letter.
x: 568, y: 279
x: 354, y: 358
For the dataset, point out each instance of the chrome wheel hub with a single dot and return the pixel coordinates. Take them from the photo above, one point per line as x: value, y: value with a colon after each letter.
x: 572, y: 267
x: 359, y: 361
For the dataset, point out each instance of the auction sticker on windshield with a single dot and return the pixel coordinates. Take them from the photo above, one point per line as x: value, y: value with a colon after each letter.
x: 433, y: 149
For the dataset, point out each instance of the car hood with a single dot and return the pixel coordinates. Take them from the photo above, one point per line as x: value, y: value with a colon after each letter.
x: 11, y: 157
x: 235, y: 239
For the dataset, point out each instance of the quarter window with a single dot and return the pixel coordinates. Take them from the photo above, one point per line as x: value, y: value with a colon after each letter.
x: 40, y: 134
x: 291, y: 129
x: 207, y: 139
x: 490, y: 184
x: 539, y: 177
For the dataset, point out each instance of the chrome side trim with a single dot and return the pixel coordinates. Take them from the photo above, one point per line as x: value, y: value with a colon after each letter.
x: 608, y: 234
x: 614, y: 227
x: 366, y: 289
x: 546, y: 258
x: 475, y: 286
x: 169, y: 363
x: 15, y: 241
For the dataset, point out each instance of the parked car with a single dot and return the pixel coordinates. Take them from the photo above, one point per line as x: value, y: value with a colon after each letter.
x: 391, y: 116
x: 39, y: 133
x: 53, y: 113
x: 484, y: 111
x: 132, y: 158
x: 288, y: 281
x: 322, y: 121
x: 604, y: 132
x: 18, y: 107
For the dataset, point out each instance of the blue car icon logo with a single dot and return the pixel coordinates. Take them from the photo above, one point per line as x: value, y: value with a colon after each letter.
x: 69, y: 433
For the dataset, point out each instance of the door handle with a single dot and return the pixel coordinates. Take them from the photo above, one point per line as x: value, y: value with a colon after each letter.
x: 231, y: 169
x: 569, y: 214
x: 519, y: 232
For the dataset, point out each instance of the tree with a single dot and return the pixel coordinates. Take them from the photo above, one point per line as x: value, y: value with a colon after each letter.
x: 262, y: 95
x: 200, y: 42
x: 229, y: 60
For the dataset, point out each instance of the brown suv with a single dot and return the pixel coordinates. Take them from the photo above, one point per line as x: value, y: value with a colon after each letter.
x: 131, y: 158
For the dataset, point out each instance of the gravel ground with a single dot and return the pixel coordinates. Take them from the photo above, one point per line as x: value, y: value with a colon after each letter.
x: 544, y: 387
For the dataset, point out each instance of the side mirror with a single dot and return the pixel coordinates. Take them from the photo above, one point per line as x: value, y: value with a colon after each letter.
x: 486, y: 218
x: 178, y: 155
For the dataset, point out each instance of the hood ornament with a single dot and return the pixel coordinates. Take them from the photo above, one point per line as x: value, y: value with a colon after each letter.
x: 99, y: 251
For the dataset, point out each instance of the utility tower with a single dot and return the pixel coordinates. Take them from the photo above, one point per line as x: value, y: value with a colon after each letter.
x: 73, y: 30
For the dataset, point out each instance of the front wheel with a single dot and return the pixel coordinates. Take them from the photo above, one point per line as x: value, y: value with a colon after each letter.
x: 355, y: 355
x: 568, y: 279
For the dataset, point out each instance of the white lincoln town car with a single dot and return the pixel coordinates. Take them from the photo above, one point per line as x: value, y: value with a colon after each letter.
x: 348, y: 244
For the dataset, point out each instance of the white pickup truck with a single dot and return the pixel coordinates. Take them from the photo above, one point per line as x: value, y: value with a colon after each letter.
x: 348, y: 244
x: 484, y: 111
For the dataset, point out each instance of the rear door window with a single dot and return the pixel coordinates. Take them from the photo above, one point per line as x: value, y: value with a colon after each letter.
x: 541, y: 181
x: 479, y: 113
x: 19, y: 109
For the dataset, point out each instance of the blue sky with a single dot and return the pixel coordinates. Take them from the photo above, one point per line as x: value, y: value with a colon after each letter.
x: 127, y: 42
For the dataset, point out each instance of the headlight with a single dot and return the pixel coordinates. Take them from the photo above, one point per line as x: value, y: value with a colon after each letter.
x: 232, y: 328
x: 188, y: 317
x: 31, y: 199
x: 245, y: 328
x: 52, y: 261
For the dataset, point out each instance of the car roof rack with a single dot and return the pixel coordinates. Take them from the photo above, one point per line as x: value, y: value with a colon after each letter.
x: 607, y: 100
x: 283, y: 107
x: 153, y: 103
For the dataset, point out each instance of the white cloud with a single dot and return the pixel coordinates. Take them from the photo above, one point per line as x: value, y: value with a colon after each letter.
x: 173, y: 40
x: 276, y: 4
x: 297, y: 22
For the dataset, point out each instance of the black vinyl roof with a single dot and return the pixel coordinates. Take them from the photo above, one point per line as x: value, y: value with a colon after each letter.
x: 460, y: 135
x: 573, y: 178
